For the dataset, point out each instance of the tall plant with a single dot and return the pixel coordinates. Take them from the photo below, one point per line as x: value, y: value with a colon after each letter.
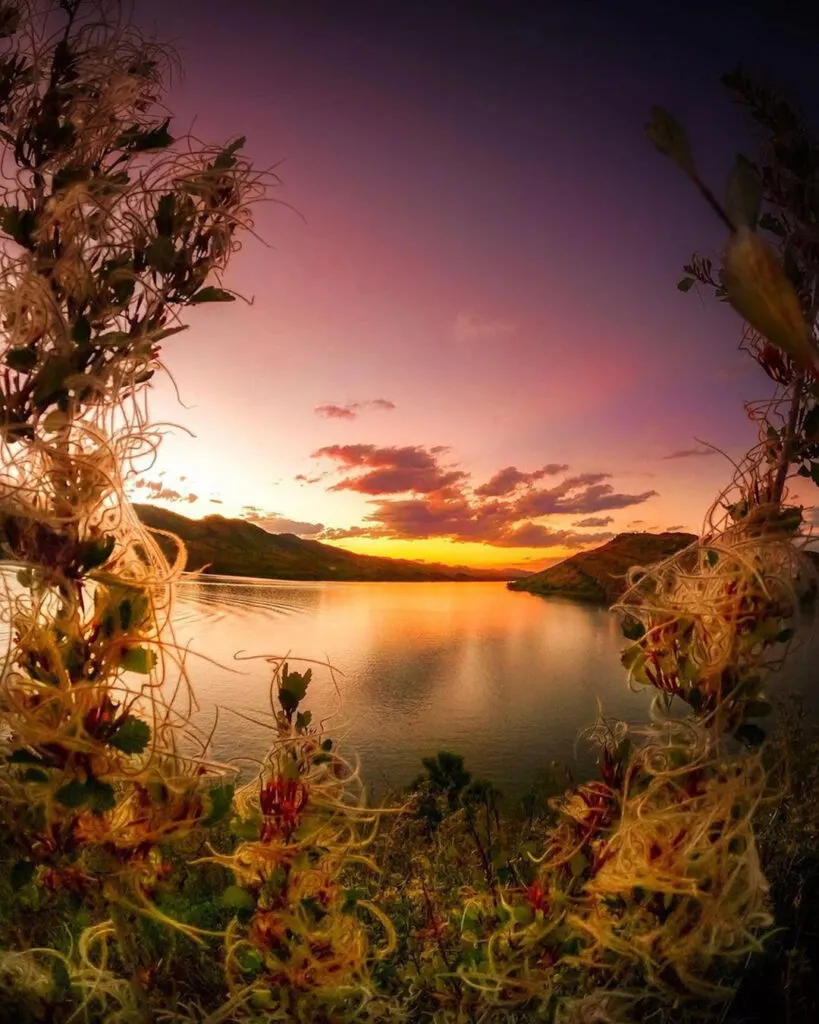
x: 642, y: 892
x: 111, y: 228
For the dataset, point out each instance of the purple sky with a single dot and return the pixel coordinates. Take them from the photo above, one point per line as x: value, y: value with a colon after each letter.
x: 482, y: 276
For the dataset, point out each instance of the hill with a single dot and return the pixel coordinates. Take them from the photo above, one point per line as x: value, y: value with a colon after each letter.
x: 598, y: 575
x: 234, y: 547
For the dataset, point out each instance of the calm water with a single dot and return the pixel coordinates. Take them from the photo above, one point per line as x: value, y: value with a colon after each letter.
x: 508, y: 680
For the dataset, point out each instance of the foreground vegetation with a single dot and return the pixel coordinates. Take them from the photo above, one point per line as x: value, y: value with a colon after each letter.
x: 140, y: 881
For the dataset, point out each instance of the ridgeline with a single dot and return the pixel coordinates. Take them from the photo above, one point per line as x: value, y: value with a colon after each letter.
x: 598, y: 576
x: 234, y: 547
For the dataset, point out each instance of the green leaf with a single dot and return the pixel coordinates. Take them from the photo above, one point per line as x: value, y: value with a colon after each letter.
x: 211, y: 294
x: 54, y: 421
x: 760, y: 291
x: 578, y: 864
x: 72, y: 794
x: 60, y: 977
x: 163, y: 218
x: 810, y: 424
x: 100, y: 795
x: 250, y: 961
x: 136, y: 141
x: 669, y: 136
x: 227, y: 158
x: 303, y: 719
x: 81, y: 331
x: 96, y: 552
x: 351, y: 898
x: 686, y: 284
x: 35, y: 775
x: 19, y: 224
x: 132, y: 735
x: 166, y: 332
x: 21, y: 874
x: 744, y: 193
x: 712, y: 557
x: 767, y: 222
x: 632, y: 628
x: 50, y: 382
x: 749, y: 734
x: 115, y: 339
x: 221, y: 799
x: 293, y: 687
x: 22, y: 360
x: 236, y: 898
x: 138, y: 659
x: 161, y: 254
x: 25, y: 757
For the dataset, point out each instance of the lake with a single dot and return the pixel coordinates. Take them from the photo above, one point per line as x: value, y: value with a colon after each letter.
x: 506, y: 679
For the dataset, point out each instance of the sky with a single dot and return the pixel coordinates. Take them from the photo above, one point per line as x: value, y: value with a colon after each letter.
x: 464, y: 342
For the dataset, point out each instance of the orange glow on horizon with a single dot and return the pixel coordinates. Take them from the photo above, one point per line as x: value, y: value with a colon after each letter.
x: 464, y: 553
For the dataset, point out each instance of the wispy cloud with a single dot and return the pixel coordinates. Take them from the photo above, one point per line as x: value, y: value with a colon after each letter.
x: 507, y: 480
x: 474, y: 327
x: 391, y: 470
x: 594, y: 521
x: 690, y: 453
x: 272, y: 522
x: 159, y: 492
x: 351, y: 410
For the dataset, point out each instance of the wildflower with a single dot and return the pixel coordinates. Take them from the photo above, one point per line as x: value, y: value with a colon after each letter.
x: 282, y: 802
x: 536, y: 897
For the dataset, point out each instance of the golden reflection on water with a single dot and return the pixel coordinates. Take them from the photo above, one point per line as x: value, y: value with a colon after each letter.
x: 506, y: 679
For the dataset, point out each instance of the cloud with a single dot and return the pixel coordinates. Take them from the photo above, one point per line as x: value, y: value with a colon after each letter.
x: 474, y: 327
x: 674, y: 529
x: 351, y: 410
x: 505, y: 481
x: 160, y: 492
x: 216, y: 501
x: 578, y: 495
x: 341, y: 533
x: 272, y: 522
x: 281, y: 524
x: 304, y: 479
x: 533, y: 535
x: 414, y: 494
x: 688, y: 453
x: 393, y: 470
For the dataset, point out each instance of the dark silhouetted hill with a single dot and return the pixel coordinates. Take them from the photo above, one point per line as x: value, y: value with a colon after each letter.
x: 234, y: 547
x: 599, y: 575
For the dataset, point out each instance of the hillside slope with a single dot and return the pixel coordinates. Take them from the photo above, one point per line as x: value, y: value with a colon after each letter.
x: 598, y: 575
x: 233, y: 547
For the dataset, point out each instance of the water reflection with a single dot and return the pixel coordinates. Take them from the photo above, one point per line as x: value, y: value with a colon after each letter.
x: 505, y: 679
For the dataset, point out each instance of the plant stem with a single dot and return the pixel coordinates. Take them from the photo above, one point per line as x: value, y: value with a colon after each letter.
x: 787, y: 444
x: 130, y: 958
